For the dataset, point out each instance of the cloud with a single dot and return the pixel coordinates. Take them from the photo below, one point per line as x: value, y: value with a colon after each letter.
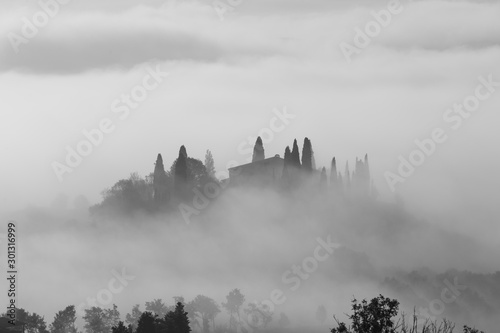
x: 75, y: 43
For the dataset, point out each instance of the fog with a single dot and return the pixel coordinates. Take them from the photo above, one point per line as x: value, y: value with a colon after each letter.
x: 228, y: 80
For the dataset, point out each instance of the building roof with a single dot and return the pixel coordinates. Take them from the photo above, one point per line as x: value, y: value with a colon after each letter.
x: 264, y: 161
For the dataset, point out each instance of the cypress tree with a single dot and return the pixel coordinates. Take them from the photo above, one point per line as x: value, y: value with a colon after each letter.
x: 323, y: 182
x: 209, y: 164
x: 159, y: 181
x: 295, y: 156
x: 333, y: 175
x: 258, y: 151
x: 307, y: 163
x: 286, y: 163
x: 347, y: 176
x: 146, y: 323
x: 181, y: 319
x: 181, y: 172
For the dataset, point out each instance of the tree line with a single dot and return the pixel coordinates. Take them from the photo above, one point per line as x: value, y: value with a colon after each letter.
x: 379, y: 315
x: 165, y: 188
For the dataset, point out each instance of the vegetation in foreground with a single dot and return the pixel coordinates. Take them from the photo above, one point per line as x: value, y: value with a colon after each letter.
x: 380, y: 315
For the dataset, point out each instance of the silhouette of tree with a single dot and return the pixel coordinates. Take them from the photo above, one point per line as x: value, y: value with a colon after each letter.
x: 284, y: 321
x: 36, y: 324
x: 334, y: 181
x: 209, y: 164
x: 121, y: 328
x: 207, y: 308
x: 468, y: 329
x: 33, y: 323
x: 287, y: 160
x: 181, y: 173
x: 323, y: 183
x: 64, y: 321
x: 347, y: 177
x: 373, y: 317
x: 133, y: 317
x: 258, y: 151
x: 157, y: 307
x: 295, y: 156
x: 125, y: 197
x: 81, y: 203
x: 307, y: 156
x: 321, y: 314
x: 177, y: 321
x: 160, y: 182
x: 259, y: 317
x: 99, y: 320
x: 95, y: 320
x: 235, y: 300
x: 146, y: 323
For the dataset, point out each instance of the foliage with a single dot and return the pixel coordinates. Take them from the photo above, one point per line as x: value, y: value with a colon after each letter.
x: 210, y: 164
x: 234, y: 302
x: 258, y: 151
x: 133, y: 317
x: 126, y: 196
x: 64, y: 321
x: 373, y: 317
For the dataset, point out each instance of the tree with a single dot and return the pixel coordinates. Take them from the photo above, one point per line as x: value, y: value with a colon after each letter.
x: 99, y: 320
x: 36, y: 324
x: 307, y: 156
x: 133, y: 317
x: 125, y: 197
x: 235, y: 300
x: 160, y: 183
x: 157, y: 307
x: 334, y: 181
x: 258, y: 315
x: 347, y: 177
x: 373, y: 317
x: 147, y: 323
x: 121, y: 328
x: 286, y: 165
x: 321, y: 314
x: 177, y: 321
x: 258, y: 151
x: 33, y: 323
x: 207, y: 308
x: 295, y: 156
x: 112, y: 316
x: 81, y: 203
x: 209, y: 164
x: 181, y: 173
x: 95, y: 320
x: 284, y: 321
x: 323, y: 183
x: 64, y: 321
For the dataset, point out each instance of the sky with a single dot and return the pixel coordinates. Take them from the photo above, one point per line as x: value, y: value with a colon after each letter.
x: 228, y: 75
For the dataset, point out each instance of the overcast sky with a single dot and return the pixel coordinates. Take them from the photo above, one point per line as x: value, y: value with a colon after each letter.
x: 227, y: 76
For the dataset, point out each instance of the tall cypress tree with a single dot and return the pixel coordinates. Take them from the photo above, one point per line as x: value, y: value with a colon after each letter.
x: 209, y: 164
x: 347, y: 176
x: 181, y: 319
x: 181, y: 172
x: 333, y: 173
x: 307, y: 164
x: 146, y: 323
x: 258, y: 151
x: 323, y: 182
x: 286, y: 163
x: 159, y: 181
x: 295, y: 156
